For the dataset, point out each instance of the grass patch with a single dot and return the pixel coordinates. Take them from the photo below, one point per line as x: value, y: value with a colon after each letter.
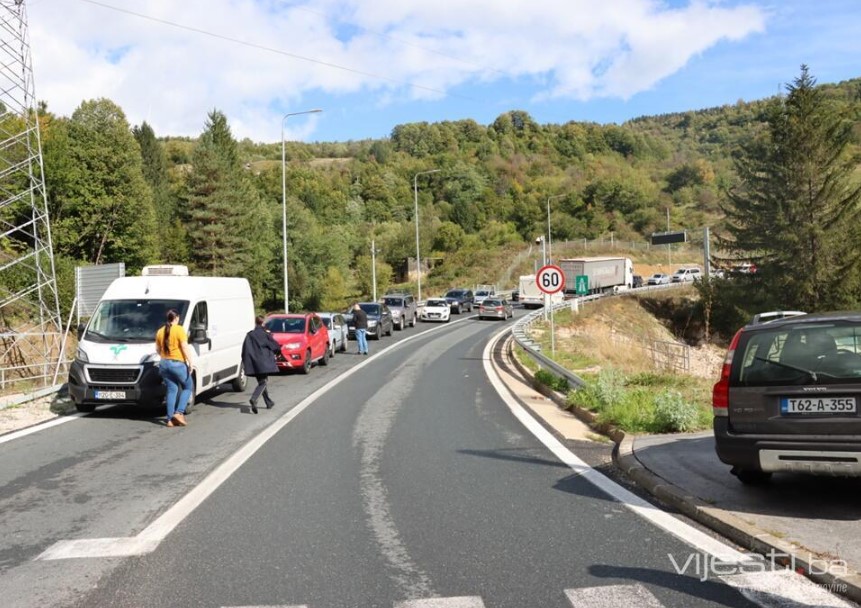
x: 644, y: 403
x: 551, y: 381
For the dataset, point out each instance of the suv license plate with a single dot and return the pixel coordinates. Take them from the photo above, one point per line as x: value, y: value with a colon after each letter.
x: 110, y: 395
x: 818, y: 405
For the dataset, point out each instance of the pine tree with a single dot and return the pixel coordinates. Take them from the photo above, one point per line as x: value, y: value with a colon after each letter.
x: 229, y: 226
x: 796, y: 209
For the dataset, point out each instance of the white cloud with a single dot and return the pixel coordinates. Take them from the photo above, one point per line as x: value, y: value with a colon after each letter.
x: 171, y: 77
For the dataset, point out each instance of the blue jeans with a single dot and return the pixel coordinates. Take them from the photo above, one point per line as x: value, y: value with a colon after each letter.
x: 177, y: 378
x: 362, y: 339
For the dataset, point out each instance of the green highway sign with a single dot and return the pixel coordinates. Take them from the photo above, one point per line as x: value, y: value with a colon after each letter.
x: 581, y: 284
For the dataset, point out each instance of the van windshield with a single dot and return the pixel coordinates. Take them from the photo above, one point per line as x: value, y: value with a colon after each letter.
x: 131, y: 320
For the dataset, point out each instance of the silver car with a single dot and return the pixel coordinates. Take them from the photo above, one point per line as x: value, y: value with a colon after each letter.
x: 404, y: 309
x: 495, y: 308
x: 338, y: 330
x: 659, y: 278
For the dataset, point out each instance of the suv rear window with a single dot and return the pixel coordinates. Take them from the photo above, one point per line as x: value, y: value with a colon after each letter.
x: 800, y: 354
x: 393, y: 301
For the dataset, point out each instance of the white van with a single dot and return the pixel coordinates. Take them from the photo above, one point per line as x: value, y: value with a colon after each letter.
x: 116, y: 361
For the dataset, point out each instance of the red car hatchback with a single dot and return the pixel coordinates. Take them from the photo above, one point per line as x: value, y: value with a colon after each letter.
x: 303, y: 337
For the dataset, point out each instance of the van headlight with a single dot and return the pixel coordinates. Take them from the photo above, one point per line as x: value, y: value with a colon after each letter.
x: 81, y: 356
x: 152, y: 358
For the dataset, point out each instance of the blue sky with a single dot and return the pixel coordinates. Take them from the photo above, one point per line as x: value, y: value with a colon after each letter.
x: 373, y: 64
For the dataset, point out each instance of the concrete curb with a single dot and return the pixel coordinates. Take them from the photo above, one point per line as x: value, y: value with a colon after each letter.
x: 730, y: 526
x: 723, y: 522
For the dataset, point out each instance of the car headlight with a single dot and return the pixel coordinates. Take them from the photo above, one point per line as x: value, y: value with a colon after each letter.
x: 372, y: 322
x: 81, y: 356
x: 293, y: 345
x: 152, y: 358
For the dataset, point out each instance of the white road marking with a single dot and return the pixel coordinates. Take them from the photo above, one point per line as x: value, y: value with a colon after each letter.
x: 789, y: 587
x: 149, y: 538
x: 612, y: 596
x: 472, y: 601
x: 46, y: 425
x: 780, y: 589
x: 274, y: 606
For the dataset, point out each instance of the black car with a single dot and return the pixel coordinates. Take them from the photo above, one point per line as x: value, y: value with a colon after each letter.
x: 460, y: 300
x: 788, y: 396
x: 638, y: 281
x: 380, y: 321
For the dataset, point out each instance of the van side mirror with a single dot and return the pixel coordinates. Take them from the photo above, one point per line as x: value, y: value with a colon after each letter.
x: 81, y: 328
x: 198, y: 335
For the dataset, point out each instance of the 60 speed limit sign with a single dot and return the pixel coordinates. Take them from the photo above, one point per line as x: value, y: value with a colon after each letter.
x: 550, y: 279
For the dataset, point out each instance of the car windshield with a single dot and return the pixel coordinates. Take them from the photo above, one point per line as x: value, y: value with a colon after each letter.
x: 492, y: 303
x: 371, y: 309
x: 131, y: 320
x: 482, y: 293
x: 455, y: 293
x: 394, y: 301
x: 433, y: 303
x: 657, y: 276
x: 802, y: 354
x: 327, y: 321
x: 286, y: 325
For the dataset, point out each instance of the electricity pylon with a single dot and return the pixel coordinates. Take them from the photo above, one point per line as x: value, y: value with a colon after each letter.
x: 30, y: 325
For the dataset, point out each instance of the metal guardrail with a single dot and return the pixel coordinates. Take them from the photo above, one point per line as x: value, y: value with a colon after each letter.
x: 519, y: 330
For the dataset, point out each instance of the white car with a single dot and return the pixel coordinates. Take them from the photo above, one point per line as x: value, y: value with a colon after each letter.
x: 338, y: 331
x: 686, y: 275
x: 658, y: 278
x: 482, y: 294
x: 436, y: 309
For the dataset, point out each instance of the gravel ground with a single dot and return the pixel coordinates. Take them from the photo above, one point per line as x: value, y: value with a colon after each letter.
x: 15, y: 417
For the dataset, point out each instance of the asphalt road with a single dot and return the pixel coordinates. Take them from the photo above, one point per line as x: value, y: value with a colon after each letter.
x: 410, y: 479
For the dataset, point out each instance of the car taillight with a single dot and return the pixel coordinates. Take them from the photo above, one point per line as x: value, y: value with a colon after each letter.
x: 499, y: 308
x: 720, y: 392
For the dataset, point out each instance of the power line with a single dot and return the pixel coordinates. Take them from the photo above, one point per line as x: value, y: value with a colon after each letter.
x: 274, y: 50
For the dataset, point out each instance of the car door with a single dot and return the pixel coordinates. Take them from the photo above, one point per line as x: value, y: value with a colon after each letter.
x: 318, y: 338
x: 198, y: 338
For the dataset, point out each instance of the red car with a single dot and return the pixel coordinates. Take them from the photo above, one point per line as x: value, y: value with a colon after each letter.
x: 303, y: 338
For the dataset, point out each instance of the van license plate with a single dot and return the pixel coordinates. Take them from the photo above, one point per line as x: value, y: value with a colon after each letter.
x: 817, y: 405
x: 110, y: 395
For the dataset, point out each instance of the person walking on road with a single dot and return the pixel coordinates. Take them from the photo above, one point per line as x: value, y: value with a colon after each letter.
x: 258, y: 357
x: 175, y: 367
x: 360, y: 322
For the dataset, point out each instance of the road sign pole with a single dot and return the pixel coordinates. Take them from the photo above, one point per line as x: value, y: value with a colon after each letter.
x: 552, y: 333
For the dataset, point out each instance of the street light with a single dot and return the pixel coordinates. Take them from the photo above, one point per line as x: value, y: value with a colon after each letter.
x: 549, y: 239
x: 374, y: 252
x: 284, y: 201
x: 416, y: 198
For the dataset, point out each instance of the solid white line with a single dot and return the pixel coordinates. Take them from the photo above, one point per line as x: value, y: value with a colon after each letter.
x: 782, y: 588
x: 46, y: 425
x: 769, y: 589
x: 149, y: 538
x: 613, y: 596
x: 660, y: 518
x: 274, y: 606
x: 471, y: 601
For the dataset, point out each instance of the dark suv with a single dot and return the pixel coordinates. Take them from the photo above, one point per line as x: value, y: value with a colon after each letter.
x: 404, y: 309
x: 787, y: 398
x: 460, y: 300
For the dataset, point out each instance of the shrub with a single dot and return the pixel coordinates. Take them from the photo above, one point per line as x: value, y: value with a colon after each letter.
x: 552, y: 381
x: 672, y: 414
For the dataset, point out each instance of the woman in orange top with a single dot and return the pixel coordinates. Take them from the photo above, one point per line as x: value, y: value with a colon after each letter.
x: 171, y: 341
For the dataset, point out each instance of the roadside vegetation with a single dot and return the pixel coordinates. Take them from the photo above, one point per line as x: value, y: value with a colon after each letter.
x: 615, y: 346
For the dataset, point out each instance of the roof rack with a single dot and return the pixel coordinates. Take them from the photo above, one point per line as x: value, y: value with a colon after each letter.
x: 775, y: 315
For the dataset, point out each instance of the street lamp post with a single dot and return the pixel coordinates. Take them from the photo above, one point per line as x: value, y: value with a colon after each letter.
x: 416, y: 211
x: 374, y: 268
x: 284, y: 202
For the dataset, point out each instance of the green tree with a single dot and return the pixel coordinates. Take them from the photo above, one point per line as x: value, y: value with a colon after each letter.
x: 102, y: 203
x: 796, y: 201
x: 172, y: 235
x: 230, y: 227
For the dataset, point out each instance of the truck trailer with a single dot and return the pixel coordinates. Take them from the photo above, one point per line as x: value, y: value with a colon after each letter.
x: 602, y: 274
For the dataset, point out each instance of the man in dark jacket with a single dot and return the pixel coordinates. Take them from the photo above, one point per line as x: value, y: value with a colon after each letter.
x: 360, y: 322
x: 258, y: 357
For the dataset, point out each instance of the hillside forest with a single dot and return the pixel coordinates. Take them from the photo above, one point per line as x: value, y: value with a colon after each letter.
x: 776, y: 180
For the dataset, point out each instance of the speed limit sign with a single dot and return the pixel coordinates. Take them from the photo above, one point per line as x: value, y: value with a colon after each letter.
x: 550, y: 279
